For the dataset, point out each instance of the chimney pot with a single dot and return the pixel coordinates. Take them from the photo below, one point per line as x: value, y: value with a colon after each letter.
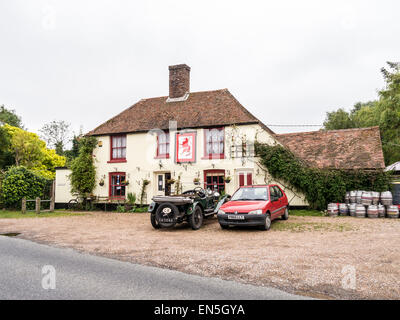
x: 179, y: 80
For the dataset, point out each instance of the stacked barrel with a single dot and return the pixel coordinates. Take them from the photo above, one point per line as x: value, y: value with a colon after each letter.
x: 363, y: 204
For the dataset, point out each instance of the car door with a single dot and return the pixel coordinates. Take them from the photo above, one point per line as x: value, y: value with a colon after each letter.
x: 280, y: 203
x: 274, y: 203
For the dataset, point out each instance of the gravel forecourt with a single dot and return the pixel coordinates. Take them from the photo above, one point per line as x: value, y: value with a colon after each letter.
x: 311, y: 256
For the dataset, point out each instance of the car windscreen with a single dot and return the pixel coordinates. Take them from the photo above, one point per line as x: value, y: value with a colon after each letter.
x: 244, y: 194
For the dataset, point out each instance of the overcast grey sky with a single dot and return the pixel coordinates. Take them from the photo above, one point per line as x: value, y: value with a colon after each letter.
x: 288, y: 62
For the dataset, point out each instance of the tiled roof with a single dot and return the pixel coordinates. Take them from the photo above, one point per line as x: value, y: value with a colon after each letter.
x: 200, y: 109
x: 359, y: 148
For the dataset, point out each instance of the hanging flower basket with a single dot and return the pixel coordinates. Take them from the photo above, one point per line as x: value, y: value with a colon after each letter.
x: 101, y: 182
x: 227, y: 179
x: 196, y: 181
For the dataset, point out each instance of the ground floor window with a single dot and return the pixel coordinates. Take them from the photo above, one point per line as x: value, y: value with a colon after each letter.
x: 117, y: 185
x: 214, y: 180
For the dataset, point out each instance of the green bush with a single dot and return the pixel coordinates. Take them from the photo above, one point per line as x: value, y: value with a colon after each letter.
x: 320, y: 186
x: 20, y: 182
x: 131, y: 198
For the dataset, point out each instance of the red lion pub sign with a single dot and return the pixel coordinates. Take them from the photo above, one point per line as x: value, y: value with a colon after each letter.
x: 185, y: 147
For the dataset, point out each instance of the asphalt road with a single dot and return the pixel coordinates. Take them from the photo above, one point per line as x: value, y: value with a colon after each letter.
x: 83, y: 276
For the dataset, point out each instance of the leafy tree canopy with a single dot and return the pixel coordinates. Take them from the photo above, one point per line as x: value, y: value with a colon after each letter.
x: 385, y: 113
x: 31, y: 152
x: 6, y: 156
x: 10, y: 117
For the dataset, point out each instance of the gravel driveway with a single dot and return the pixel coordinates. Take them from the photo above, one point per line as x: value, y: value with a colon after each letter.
x: 312, y: 256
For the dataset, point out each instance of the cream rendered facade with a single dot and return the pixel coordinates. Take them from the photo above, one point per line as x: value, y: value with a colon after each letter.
x: 141, y: 163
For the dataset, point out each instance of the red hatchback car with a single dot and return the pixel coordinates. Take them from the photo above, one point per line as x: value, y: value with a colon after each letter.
x: 254, y: 206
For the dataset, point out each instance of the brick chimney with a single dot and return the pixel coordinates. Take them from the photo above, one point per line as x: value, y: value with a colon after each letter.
x: 179, y: 80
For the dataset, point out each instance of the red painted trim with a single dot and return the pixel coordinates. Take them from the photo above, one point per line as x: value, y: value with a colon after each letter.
x: 117, y: 161
x: 249, y: 178
x: 110, y: 174
x: 213, y: 156
x: 111, y: 148
x: 213, y: 171
x: 193, y: 159
x: 208, y: 156
x: 241, y: 179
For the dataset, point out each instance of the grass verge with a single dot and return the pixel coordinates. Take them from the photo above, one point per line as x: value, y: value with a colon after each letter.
x: 6, y: 214
x: 306, y: 213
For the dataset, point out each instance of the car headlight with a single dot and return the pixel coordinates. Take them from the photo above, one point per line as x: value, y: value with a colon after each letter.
x: 259, y: 211
x: 221, y: 211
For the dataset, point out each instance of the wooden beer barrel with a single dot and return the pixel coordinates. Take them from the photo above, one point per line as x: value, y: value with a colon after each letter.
x: 392, y: 211
x: 333, y: 209
x: 372, y: 211
x: 366, y: 198
x: 343, y: 209
x: 360, y: 211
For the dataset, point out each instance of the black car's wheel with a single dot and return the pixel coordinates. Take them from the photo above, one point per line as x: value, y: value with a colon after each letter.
x: 154, y: 222
x: 196, y: 218
x: 267, y: 223
x: 285, y: 216
x: 166, y: 215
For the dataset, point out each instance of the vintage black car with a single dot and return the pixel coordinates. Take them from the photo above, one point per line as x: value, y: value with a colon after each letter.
x: 191, y: 206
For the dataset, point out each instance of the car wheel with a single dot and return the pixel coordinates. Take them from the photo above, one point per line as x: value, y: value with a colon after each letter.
x: 166, y: 215
x: 285, y: 216
x: 154, y: 222
x: 267, y: 223
x: 196, y: 218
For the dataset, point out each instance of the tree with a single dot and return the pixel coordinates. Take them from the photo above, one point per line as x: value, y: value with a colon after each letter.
x: 6, y: 156
x: 10, y: 117
x: 31, y: 152
x: 388, y: 112
x: 339, y: 119
x: 384, y: 113
x: 56, y: 134
x: 83, y: 171
x: 74, y: 151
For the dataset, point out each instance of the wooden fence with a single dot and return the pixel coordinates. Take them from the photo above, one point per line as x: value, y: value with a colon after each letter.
x: 38, y: 203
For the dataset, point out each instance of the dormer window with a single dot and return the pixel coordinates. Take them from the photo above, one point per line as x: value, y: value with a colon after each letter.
x: 162, y: 145
x: 118, y: 148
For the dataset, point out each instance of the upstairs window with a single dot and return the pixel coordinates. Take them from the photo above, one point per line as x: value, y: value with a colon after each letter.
x: 162, y: 145
x: 118, y: 147
x: 214, y: 143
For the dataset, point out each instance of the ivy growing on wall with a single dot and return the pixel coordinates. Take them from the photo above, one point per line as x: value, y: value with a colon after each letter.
x: 145, y: 183
x: 83, y: 170
x: 320, y: 186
